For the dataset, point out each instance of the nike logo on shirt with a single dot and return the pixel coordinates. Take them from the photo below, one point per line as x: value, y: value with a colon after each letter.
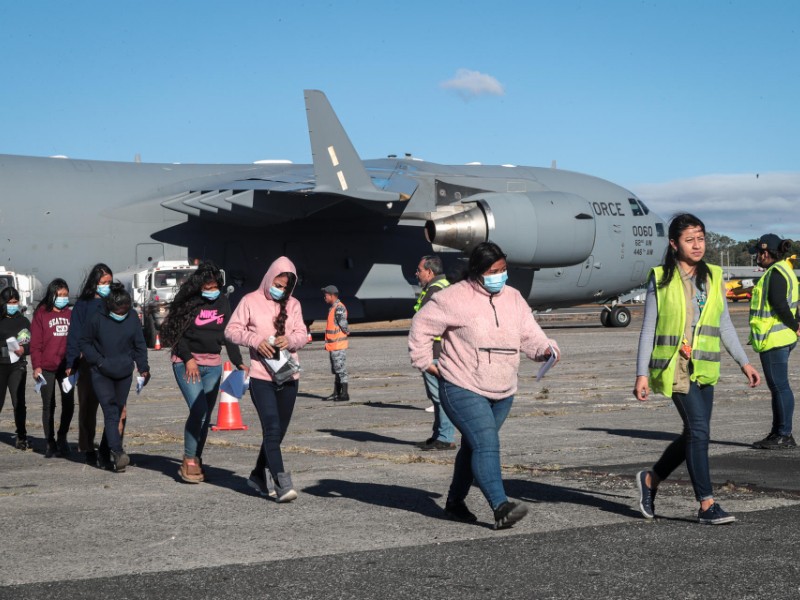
x: 206, y: 317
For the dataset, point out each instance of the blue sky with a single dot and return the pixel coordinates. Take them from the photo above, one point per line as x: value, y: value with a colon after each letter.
x: 682, y: 102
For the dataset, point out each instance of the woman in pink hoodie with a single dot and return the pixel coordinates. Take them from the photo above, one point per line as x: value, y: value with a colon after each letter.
x: 267, y: 321
x: 484, y: 325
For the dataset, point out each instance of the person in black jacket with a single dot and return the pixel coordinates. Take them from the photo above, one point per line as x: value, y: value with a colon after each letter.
x: 111, y: 342
x: 13, y: 366
x: 195, y: 328
x: 95, y: 288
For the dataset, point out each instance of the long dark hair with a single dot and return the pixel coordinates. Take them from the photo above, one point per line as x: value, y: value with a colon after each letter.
x: 8, y: 293
x: 680, y: 223
x: 48, y: 302
x: 280, y: 318
x: 184, y: 306
x: 89, y: 287
x: 483, y: 256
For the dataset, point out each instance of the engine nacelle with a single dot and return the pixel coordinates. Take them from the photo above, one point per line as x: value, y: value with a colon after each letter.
x: 537, y: 229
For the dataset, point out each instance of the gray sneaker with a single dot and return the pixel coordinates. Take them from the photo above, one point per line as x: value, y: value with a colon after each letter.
x: 646, y: 496
x: 509, y: 513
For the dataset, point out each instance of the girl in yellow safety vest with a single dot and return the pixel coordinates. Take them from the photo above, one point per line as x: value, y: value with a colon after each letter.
x: 686, y: 320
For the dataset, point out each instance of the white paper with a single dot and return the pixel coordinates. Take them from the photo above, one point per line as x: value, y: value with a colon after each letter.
x: 69, y: 382
x: 277, y: 361
x: 547, y: 365
x: 13, y: 346
x: 40, y: 381
x: 139, y: 384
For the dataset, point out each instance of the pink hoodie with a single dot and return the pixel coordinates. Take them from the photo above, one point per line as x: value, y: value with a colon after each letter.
x: 480, y: 344
x: 253, y: 321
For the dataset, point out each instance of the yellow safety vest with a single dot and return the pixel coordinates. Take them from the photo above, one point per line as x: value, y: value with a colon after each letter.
x: 670, y: 327
x: 767, y: 331
x: 441, y: 284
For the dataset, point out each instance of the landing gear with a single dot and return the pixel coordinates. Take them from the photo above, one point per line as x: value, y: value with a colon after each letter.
x: 619, y: 316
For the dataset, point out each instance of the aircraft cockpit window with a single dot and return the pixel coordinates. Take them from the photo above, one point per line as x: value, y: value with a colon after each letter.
x: 644, y: 207
x: 636, y: 210
x: 6, y: 282
x: 170, y: 278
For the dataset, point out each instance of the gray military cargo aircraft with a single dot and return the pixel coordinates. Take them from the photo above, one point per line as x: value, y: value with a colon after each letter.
x: 363, y: 226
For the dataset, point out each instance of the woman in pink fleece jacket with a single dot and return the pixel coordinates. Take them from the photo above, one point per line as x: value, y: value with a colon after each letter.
x: 484, y: 325
x: 266, y: 321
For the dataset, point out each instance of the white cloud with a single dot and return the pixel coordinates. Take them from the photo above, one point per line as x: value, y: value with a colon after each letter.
x: 469, y: 84
x: 742, y: 206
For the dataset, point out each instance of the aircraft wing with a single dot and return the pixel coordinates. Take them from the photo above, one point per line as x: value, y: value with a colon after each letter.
x: 269, y: 194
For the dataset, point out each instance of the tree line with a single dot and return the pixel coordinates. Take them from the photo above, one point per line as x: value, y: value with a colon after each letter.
x: 720, y: 249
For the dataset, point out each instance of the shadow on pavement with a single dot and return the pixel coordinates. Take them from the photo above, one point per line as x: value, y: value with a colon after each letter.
x: 532, y: 491
x: 646, y: 434
x: 366, y: 436
x: 391, y: 496
x: 168, y: 466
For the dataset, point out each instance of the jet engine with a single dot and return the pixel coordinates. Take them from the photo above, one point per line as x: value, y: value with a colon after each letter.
x: 537, y: 229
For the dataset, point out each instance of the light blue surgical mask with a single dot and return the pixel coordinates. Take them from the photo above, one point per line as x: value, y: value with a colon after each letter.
x: 103, y: 290
x: 12, y: 309
x: 118, y: 318
x: 211, y: 295
x: 60, y: 302
x: 494, y: 283
x: 276, y: 293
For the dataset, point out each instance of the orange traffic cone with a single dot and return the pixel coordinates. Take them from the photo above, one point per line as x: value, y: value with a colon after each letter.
x: 157, y: 345
x: 229, y: 417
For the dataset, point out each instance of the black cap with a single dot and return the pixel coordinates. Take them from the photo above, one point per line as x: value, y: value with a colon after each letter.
x: 768, y: 241
x: 331, y: 289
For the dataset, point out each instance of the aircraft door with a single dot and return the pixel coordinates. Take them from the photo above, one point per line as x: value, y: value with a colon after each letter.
x: 586, y: 271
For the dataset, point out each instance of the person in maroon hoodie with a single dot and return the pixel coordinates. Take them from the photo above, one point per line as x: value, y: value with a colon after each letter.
x: 49, y: 359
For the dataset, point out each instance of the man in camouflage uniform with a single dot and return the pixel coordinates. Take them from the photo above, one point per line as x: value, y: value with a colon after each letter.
x: 336, y: 332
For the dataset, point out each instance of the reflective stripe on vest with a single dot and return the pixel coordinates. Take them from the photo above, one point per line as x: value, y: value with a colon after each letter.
x: 767, y: 331
x: 670, y: 327
x: 335, y: 338
x: 441, y: 284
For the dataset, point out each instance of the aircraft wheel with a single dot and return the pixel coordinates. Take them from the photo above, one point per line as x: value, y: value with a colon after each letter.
x: 604, y: 317
x: 619, y: 317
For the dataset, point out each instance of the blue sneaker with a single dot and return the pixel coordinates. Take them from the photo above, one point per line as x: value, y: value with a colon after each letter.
x: 647, y: 496
x: 714, y: 515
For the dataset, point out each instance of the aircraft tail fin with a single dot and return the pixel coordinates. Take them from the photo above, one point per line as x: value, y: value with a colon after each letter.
x: 337, y: 167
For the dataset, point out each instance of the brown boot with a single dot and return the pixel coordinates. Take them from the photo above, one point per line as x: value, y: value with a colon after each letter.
x: 190, y: 471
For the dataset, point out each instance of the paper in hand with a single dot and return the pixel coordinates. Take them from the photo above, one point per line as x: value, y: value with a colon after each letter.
x: 234, y: 384
x: 40, y: 381
x: 69, y: 382
x: 551, y: 360
x: 13, y: 346
x: 140, y: 381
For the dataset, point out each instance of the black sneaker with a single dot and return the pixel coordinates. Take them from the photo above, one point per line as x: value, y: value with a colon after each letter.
x: 22, y: 444
x: 646, y: 496
x: 458, y: 511
x: 63, y: 447
x: 119, y: 461
x: 779, y: 442
x: 432, y: 444
x: 714, y: 515
x: 766, y: 440
x: 51, y: 450
x: 103, y: 461
x: 91, y: 458
x: 509, y: 513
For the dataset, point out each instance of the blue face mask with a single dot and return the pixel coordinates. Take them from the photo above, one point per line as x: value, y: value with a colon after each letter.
x: 60, y: 302
x: 211, y: 295
x: 103, y: 290
x: 276, y: 293
x: 117, y: 317
x: 494, y: 283
x: 12, y: 309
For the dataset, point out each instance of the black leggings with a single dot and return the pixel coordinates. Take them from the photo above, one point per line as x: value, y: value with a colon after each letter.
x: 12, y: 378
x: 274, y: 405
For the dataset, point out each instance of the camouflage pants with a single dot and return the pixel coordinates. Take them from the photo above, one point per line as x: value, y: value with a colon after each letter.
x: 338, y: 367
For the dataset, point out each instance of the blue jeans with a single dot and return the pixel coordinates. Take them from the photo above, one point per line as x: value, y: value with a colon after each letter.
x: 443, y: 429
x: 274, y: 405
x: 775, y: 363
x: 201, y: 397
x: 692, y: 445
x: 479, y: 420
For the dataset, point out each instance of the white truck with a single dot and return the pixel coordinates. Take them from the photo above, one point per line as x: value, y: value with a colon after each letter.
x: 26, y: 285
x: 152, y: 289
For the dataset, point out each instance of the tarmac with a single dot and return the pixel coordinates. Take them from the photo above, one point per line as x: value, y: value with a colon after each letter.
x: 368, y: 522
